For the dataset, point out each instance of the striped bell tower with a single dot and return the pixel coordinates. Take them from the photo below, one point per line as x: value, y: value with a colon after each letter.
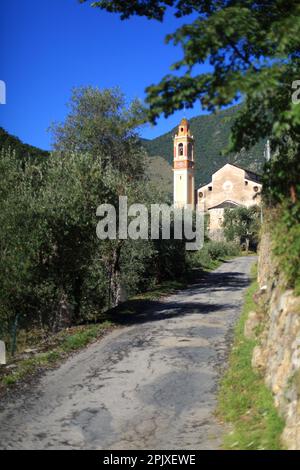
x: 184, y: 178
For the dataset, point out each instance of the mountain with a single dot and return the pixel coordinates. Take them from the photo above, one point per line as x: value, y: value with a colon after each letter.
x: 211, y: 133
x: 160, y: 173
x: 22, y: 151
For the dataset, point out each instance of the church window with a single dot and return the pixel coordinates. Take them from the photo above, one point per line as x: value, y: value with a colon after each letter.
x: 246, y: 183
x: 200, y: 194
x: 255, y: 188
x: 190, y: 151
x: 182, y: 129
x: 209, y: 188
x: 180, y: 150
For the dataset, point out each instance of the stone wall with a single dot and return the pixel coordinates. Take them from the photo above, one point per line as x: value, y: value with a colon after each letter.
x: 216, y: 217
x: 277, y: 354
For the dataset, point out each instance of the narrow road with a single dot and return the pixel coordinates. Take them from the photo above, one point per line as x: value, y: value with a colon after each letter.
x: 152, y: 385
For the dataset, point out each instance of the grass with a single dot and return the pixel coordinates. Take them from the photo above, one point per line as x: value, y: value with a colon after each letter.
x: 244, y: 400
x: 66, y: 342
x: 82, y: 338
x: 29, y: 366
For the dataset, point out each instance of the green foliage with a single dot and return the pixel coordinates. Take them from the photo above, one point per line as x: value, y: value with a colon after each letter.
x: 61, y: 344
x: 18, y: 242
x: 22, y: 151
x: 28, y: 366
x: 211, y: 135
x: 152, y: 9
x: 253, y: 49
x: 99, y: 123
x: 80, y: 339
x: 242, y: 224
x: 219, y: 250
x: 212, y: 253
x: 285, y: 229
x: 281, y: 177
x: 244, y: 400
x: 54, y: 271
x: 160, y: 173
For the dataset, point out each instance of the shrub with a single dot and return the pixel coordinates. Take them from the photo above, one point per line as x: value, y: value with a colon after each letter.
x: 219, y: 250
x: 285, y: 229
x: 212, y: 252
x: 242, y: 224
x: 54, y: 271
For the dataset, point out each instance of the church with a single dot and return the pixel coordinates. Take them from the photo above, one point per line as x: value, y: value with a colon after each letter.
x: 230, y: 186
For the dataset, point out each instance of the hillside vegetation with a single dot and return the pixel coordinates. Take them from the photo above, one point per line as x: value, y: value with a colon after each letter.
x: 159, y: 171
x: 55, y: 272
x: 211, y: 133
x: 22, y: 151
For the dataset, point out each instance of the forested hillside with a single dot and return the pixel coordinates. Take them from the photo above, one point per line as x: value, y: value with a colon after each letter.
x: 211, y: 133
x: 21, y: 150
x: 160, y: 173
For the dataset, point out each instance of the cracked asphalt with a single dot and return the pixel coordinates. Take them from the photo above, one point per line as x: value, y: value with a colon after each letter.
x: 151, y: 385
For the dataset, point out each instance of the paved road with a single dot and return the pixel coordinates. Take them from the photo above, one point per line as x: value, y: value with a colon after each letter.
x: 147, y: 386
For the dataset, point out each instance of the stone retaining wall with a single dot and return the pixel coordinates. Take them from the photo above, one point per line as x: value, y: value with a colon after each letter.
x: 277, y: 355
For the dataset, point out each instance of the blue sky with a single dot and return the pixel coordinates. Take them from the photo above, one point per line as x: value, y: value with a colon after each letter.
x: 50, y: 46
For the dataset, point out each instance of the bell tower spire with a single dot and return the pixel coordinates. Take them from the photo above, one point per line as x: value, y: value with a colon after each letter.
x: 184, y: 178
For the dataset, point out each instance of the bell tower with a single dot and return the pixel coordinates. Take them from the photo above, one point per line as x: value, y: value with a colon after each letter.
x: 184, y: 179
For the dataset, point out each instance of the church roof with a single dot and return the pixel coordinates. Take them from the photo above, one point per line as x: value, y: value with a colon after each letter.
x: 184, y: 122
x: 249, y: 174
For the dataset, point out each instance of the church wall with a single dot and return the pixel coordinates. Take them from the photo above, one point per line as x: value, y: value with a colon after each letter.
x: 216, y: 217
x: 229, y: 184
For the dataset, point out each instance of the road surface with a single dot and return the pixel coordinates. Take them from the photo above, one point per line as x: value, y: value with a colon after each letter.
x: 151, y: 385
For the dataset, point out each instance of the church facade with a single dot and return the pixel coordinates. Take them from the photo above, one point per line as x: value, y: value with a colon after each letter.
x: 230, y: 186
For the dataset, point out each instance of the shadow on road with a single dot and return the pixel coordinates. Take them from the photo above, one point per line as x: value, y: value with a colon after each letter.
x: 140, y: 310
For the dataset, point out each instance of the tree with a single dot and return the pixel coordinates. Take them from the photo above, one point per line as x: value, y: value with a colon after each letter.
x: 242, y: 224
x: 253, y: 48
x: 19, y: 242
x: 54, y: 271
x: 99, y: 123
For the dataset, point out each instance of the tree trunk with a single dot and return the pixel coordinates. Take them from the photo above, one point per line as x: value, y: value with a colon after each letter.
x: 14, y: 334
x: 293, y: 193
x: 115, y: 276
x: 77, y: 288
x: 63, y: 317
